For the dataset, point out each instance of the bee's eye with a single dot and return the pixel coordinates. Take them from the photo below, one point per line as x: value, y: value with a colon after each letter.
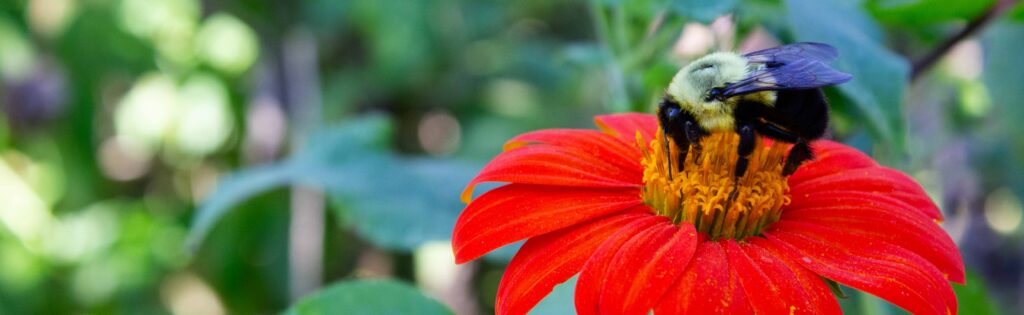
x: 672, y: 112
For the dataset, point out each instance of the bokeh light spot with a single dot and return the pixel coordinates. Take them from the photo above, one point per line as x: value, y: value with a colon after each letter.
x: 1003, y: 211
x: 187, y: 294
x: 121, y: 159
x: 974, y: 98
x: 147, y: 112
x: 24, y: 212
x: 169, y: 24
x: 439, y: 133
x: 512, y: 98
x: 50, y: 17
x: 696, y: 40
x: 204, y: 121
x: 227, y: 44
x: 83, y: 234
x: 16, y: 53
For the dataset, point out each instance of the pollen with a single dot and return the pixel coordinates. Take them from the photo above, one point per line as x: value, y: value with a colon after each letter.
x: 699, y: 192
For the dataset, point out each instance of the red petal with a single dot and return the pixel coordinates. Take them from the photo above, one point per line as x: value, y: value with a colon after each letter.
x: 884, y: 219
x: 589, y: 142
x: 645, y: 268
x: 708, y: 286
x: 625, y: 126
x: 595, y: 272
x: 513, y: 212
x: 830, y: 158
x: 773, y: 287
x: 818, y: 293
x: 887, y: 271
x: 880, y: 180
x: 550, y: 165
x: 553, y: 258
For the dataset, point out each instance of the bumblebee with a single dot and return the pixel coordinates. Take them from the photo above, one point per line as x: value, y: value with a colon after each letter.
x: 775, y: 93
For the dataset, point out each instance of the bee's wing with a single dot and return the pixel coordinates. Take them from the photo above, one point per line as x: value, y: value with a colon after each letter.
x: 792, y: 52
x: 796, y: 74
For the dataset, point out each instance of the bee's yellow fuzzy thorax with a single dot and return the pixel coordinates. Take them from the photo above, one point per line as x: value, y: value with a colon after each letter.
x: 698, y: 194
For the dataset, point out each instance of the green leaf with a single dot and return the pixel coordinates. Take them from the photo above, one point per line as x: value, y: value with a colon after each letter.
x: 879, y: 75
x: 924, y: 12
x: 367, y: 297
x: 702, y: 10
x: 973, y: 298
x: 399, y: 204
x: 1016, y: 14
x: 396, y: 203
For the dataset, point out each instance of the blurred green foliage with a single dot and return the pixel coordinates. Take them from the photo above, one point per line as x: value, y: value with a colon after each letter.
x: 148, y: 147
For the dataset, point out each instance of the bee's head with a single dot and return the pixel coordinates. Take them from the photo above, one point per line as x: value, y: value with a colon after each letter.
x: 697, y: 85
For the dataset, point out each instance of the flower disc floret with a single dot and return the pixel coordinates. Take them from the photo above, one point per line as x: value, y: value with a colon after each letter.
x: 698, y: 192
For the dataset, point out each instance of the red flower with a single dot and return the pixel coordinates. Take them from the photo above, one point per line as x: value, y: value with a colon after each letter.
x: 601, y: 204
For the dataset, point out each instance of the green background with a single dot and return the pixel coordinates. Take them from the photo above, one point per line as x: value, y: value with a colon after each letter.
x: 231, y: 157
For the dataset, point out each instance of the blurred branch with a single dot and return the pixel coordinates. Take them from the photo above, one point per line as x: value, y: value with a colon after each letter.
x: 660, y: 39
x: 925, y: 63
x: 601, y: 26
x: 616, y: 79
x: 302, y: 97
x: 460, y: 295
x: 655, y: 24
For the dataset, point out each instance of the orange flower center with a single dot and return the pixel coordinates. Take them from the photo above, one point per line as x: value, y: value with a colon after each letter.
x: 699, y: 192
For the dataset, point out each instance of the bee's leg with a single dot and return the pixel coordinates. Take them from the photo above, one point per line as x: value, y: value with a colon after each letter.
x: 744, y: 149
x: 684, y: 150
x: 800, y: 153
x: 774, y: 132
x: 748, y: 140
x: 693, y: 135
x: 668, y: 156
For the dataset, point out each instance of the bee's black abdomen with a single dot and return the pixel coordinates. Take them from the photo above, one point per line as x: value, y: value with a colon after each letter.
x: 804, y: 112
x: 798, y: 117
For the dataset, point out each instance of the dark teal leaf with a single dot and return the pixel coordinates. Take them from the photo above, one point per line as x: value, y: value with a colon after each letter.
x: 396, y: 203
x: 234, y: 189
x: 702, y: 10
x: 347, y: 140
x: 368, y: 297
x: 1003, y: 73
x: 873, y: 305
x: 399, y: 204
x: 1003, y: 133
x: 328, y: 153
x: 879, y: 75
x: 560, y: 301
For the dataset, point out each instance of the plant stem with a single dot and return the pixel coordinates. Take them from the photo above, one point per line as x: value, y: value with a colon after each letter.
x: 925, y: 63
